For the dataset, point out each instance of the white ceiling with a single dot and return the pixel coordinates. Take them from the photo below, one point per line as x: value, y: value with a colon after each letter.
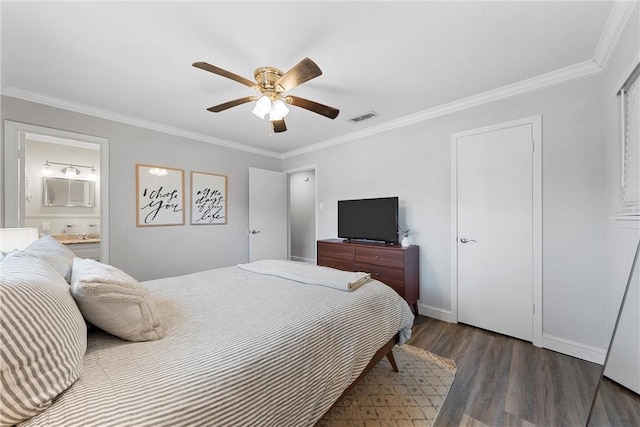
x: 131, y: 61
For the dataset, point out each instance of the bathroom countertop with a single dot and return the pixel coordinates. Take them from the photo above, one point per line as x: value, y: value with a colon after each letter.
x: 68, y: 239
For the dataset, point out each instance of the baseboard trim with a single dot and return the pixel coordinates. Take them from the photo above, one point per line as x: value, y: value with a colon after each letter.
x: 549, y: 341
x: 302, y: 259
x: 436, y: 313
x: 574, y: 348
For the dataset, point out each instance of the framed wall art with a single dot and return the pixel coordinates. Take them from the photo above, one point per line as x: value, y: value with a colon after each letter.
x: 208, y: 198
x: 159, y: 196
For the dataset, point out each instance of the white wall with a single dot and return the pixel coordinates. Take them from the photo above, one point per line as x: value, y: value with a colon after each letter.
x: 153, y: 252
x: 413, y: 163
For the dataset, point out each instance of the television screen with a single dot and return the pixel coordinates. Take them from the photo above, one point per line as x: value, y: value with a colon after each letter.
x: 369, y: 219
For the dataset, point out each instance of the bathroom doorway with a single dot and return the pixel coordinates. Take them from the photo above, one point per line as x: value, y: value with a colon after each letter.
x: 57, y: 181
x: 302, y: 214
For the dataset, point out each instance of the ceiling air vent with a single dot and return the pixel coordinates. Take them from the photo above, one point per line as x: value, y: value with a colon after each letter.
x: 363, y: 117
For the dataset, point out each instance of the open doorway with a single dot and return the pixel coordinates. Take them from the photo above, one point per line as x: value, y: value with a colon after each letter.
x: 302, y: 214
x: 57, y: 182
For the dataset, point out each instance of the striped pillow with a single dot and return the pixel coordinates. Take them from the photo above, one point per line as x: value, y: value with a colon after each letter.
x: 43, y: 335
x: 55, y: 253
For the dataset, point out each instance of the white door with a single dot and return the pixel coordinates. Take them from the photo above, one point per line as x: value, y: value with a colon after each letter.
x: 267, y: 214
x: 495, y: 230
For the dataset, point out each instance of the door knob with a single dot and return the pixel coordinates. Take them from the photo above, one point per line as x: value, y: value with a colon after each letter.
x: 465, y: 240
x: 254, y: 231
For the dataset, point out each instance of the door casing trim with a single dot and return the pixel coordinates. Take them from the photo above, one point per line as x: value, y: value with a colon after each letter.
x: 12, y: 183
x: 536, y: 135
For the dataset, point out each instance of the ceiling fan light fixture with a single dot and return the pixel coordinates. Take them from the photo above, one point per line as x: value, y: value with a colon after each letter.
x: 279, y: 110
x: 257, y: 113
x: 263, y: 107
x: 272, y: 83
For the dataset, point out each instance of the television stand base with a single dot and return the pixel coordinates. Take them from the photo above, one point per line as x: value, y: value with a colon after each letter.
x: 371, y: 242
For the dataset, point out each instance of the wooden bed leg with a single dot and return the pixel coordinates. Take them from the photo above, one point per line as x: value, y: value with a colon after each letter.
x: 392, y: 360
x: 384, y: 350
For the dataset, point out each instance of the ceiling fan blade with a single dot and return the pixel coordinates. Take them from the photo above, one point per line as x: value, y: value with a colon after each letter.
x: 278, y: 125
x: 316, y: 107
x: 303, y: 71
x: 227, y: 105
x: 224, y: 73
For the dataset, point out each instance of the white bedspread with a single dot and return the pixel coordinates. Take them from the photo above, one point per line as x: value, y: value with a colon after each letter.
x: 241, y: 349
x: 309, y: 274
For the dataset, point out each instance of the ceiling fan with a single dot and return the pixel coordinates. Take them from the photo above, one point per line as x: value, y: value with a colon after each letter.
x: 272, y: 84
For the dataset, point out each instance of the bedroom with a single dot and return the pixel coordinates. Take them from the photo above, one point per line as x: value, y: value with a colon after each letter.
x: 580, y: 174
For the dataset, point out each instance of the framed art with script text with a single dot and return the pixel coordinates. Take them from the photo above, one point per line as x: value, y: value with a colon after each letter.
x: 208, y: 198
x: 159, y: 196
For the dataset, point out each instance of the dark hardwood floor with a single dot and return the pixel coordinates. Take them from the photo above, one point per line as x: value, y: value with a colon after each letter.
x: 502, y: 381
x: 615, y: 406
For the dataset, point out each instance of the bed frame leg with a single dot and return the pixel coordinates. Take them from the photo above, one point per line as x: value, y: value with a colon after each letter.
x: 392, y: 360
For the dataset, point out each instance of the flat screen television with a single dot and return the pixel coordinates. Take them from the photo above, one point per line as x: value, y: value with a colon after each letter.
x: 369, y: 219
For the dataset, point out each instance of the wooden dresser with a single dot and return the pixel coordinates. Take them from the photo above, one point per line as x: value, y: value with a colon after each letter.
x: 393, y: 265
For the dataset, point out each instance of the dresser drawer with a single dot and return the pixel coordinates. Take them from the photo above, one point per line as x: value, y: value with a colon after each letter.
x: 380, y: 256
x: 339, y: 263
x: 393, y: 265
x: 335, y: 250
x: 391, y: 276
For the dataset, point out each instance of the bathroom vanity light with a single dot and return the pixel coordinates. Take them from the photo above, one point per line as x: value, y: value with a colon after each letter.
x: 46, y: 169
x: 70, y: 170
x: 93, y: 174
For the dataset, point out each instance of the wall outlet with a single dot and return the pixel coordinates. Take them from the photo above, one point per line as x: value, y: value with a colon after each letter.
x: 46, y: 226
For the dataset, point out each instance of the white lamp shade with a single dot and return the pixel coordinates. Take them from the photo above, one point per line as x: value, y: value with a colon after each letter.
x: 46, y: 170
x: 257, y: 112
x: 70, y: 172
x: 263, y: 107
x: 278, y: 110
x: 17, y: 238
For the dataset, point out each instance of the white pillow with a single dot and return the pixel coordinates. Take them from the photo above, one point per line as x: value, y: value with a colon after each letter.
x: 43, y: 335
x: 114, y: 301
x: 55, y: 253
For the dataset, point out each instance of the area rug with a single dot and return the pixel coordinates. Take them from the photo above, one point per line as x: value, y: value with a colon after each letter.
x: 411, y: 397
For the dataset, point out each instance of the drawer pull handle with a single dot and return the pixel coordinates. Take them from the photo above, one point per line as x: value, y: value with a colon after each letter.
x: 376, y: 274
x: 377, y: 256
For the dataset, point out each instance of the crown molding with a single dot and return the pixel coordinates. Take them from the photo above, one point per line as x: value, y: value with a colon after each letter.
x: 15, y: 92
x: 539, y: 82
x: 618, y: 18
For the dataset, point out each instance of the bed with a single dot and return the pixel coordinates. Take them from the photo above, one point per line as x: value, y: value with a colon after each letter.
x: 235, y: 346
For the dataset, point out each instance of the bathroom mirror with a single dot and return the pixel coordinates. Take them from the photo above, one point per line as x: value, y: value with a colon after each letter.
x: 68, y: 192
x: 615, y: 403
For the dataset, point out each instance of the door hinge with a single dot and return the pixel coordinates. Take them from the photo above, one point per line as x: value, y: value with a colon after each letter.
x: 534, y: 308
